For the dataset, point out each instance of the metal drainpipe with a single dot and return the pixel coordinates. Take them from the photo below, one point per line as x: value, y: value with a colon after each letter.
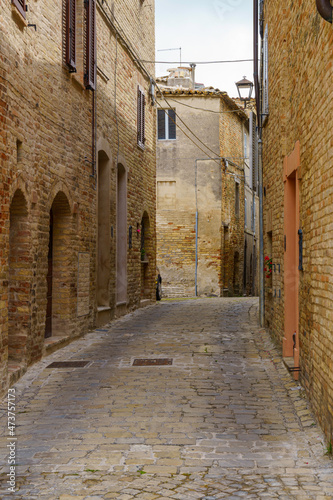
x: 325, y: 9
x: 261, y: 241
x: 261, y: 219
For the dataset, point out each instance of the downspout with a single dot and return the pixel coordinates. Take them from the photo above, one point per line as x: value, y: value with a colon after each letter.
x: 261, y: 218
x: 325, y: 9
x: 255, y: 58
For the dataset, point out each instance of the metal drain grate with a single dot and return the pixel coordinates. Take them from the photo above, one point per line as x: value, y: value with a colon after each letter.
x: 68, y: 364
x: 152, y: 362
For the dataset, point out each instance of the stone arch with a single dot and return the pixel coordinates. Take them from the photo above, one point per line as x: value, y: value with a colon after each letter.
x: 121, y: 233
x: 59, y: 274
x: 103, y: 229
x: 146, y: 250
x: 59, y: 187
x: 20, y: 278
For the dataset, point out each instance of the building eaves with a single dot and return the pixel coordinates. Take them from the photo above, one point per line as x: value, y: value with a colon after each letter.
x: 203, y: 92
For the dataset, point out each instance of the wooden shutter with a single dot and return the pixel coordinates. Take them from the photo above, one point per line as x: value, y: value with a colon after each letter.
x: 253, y: 152
x: 21, y: 7
x: 161, y: 124
x: 90, y: 74
x: 141, y: 118
x: 71, y: 34
x: 265, y: 104
x: 172, y: 123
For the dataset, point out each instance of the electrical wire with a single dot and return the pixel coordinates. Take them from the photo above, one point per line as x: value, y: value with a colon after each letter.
x: 177, y: 125
x: 188, y: 128
x: 121, y: 34
x: 202, y: 109
x: 198, y: 62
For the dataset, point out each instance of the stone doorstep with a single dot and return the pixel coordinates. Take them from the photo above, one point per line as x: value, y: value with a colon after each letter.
x: 146, y: 302
x: 52, y: 344
x: 15, y: 371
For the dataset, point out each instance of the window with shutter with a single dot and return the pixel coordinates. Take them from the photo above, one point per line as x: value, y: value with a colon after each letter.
x: 265, y: 107
x: 90, y: 70
x: 172, y: 123
x: 71, y: 35
x: 21, y: 7
x: 141, y: 118
x: 166, y: 124
x: 160, y: 124
x: 254, y: 173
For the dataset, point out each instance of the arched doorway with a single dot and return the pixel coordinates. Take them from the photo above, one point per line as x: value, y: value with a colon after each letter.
x: 121, y: 235
x: 146, y: 258
x: 20, y: 277
x: 59, y: 272
x: 103, y: 237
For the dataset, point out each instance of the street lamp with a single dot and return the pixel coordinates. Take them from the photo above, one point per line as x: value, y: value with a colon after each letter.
x: 244, y: 88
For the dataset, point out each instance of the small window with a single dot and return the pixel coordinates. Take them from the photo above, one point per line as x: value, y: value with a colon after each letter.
x: 71, y: 35
x: 21, y: 7
x: 237, y: 199
x: 166, y: 124
x: 141, y: 118
x: 90, y: 70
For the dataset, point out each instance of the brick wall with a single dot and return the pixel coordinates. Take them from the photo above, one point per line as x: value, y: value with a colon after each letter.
x: 300, y: 109
x: 49, y: 141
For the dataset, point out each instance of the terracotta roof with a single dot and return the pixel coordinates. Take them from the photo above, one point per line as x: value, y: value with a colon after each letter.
x: 206, y: 91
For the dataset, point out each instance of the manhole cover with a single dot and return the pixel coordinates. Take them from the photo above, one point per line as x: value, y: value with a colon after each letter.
x: 152, y: 362
x: 68, y: 364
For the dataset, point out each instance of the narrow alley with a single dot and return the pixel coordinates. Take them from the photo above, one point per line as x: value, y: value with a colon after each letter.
x: 221, y: 419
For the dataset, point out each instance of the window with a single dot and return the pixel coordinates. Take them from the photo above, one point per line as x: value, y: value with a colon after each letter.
x: 90, y: 70
x: 21, y: 7
x: 166, y: 124
x: 254, y: 216
x: 265, y: 109
x: 141, y: 118
x: 71, y: 35
x: 253, y: 153
x: 237, y: 199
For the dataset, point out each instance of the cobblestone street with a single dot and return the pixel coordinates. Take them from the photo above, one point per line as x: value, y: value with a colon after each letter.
x: 224, y: 420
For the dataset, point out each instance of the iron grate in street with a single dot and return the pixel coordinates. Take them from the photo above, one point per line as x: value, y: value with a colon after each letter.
x: 68, y: 364
x: 152, y: 362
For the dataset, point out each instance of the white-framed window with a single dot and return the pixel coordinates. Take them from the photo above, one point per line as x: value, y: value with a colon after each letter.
x: 166, y: 124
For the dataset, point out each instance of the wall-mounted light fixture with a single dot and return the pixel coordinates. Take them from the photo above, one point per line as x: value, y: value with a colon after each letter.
x: 245, y: 88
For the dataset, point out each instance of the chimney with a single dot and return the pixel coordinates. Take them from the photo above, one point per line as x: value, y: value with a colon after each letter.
x: 193, y: 74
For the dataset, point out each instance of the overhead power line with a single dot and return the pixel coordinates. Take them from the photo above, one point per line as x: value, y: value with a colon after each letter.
x: 196, y: 62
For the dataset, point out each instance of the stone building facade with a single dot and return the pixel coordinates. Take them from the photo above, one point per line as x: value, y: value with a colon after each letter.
x: 202, y: 177
x: 297, y: 133
x: 78, y: 171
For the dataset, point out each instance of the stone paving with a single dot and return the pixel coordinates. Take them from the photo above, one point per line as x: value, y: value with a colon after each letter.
x: 224, y: 421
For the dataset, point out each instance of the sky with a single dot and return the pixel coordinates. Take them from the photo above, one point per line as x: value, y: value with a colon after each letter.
x: 206, y: 30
